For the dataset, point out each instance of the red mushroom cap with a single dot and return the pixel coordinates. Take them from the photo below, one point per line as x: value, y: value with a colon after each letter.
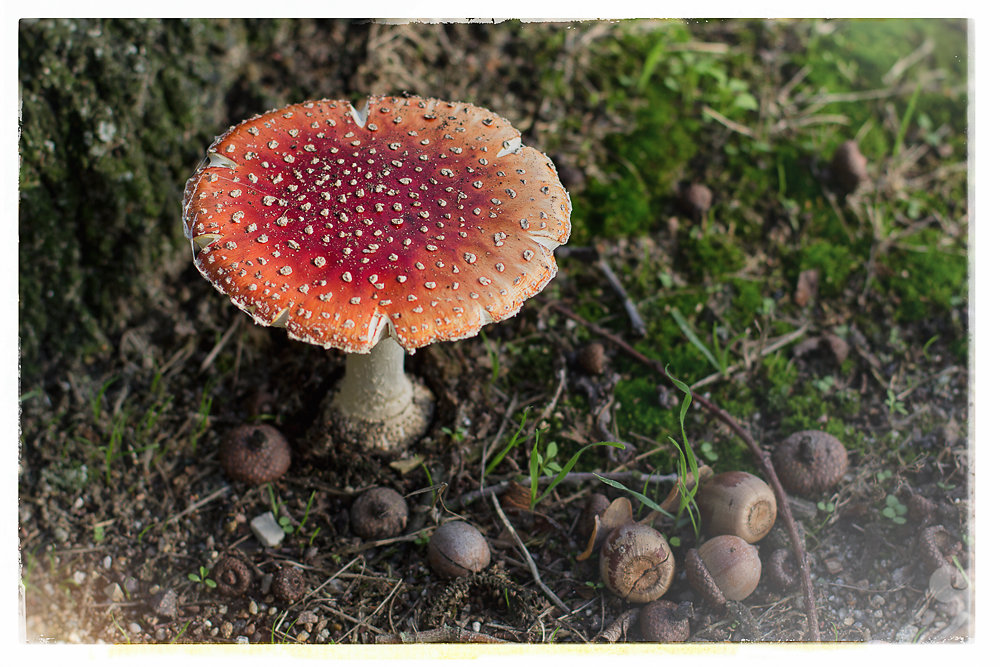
x: 416, y: 217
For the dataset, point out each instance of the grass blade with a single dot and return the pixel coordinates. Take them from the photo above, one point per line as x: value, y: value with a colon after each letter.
x: 642, y: 498
x: 510, y: 445
x: 568, y: 467
x: 693, y: 338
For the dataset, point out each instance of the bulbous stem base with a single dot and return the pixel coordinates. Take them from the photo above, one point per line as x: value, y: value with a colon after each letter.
x: 376, y: 407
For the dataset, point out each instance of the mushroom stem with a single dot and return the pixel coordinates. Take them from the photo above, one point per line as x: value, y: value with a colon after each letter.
x: 375, y: 384
x: 377, y: 405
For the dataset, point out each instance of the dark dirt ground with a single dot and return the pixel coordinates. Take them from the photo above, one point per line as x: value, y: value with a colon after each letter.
x: 122, y: 498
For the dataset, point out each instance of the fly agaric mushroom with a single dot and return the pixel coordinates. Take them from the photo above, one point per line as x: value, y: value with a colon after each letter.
x: 379, y: 230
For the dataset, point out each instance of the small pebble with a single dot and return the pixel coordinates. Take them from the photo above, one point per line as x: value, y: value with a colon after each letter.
x: 79, y: 577
x: 907, y: 634
x: 134, y: 628
x: 266, y: 529
x: 302, y: 636
x: 253, y: 607
x: 242, y: 639
x: 114, y: 593
x: 165, y: 603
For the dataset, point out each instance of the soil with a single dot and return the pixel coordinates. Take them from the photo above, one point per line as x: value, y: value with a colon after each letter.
x: 125, y: 511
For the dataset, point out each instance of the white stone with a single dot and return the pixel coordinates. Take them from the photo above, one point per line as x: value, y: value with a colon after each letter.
x: 266, y: 529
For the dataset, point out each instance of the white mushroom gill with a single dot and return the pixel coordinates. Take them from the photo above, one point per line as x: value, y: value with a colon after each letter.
x: 216, y: 159
x: 360, y: 116
x: 510, y: 146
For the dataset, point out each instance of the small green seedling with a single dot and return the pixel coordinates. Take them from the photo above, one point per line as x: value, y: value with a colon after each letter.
x: 894, y: 510
x: 535, y: 463
x: 825, y: 506
x: 894, y: 404
x: 708, y: 452
x: 456, y: 435
x: 202, y: 577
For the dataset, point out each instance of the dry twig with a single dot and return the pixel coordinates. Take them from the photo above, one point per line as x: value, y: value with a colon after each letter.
x: 527, y: 557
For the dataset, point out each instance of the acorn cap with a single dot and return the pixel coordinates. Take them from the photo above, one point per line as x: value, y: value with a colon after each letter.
x: 289, y: 584
x: 415, y: 218
x: 255, y: 453
x: 231, y: 575
x: 665, y: 621
x: 810, y: 463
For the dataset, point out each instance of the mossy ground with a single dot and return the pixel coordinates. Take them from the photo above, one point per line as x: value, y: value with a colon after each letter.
x: 129, y: 380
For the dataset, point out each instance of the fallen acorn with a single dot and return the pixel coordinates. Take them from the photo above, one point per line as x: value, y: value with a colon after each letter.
x: 255, y: 453
x: 636, y: 563
x: 737, y: 503
x: 457, y: 549
x: 379, y: 513
x: 723, y: 568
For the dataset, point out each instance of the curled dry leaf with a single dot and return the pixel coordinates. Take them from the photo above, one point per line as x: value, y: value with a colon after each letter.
x: 617, y: 514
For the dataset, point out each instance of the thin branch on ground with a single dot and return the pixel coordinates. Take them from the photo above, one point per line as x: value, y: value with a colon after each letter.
x: 446, y: 635
x: 527, y: 557
x: 634, y: 318
x: 570, y: 478
x: 201, y: 503
x: 776, y: 344
x: 763, y: 458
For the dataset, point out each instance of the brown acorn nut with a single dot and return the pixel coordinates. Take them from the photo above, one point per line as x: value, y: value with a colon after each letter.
x: 636, y: 563
x: 665, y: 621
x: 810, y: 463
x: 724, y: 568
x: 255, y: 453
x: 737, y: 503
x: 379, y: 513
x: 592, y: 359
x: 457, y: 549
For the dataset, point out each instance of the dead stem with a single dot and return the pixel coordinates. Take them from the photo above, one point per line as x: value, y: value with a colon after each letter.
x: 776, y: 344
x: 763, y: 458
x: 634, y: 318
x: 527, y: 557
x: 570, y: 478
x: 446, y: 635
